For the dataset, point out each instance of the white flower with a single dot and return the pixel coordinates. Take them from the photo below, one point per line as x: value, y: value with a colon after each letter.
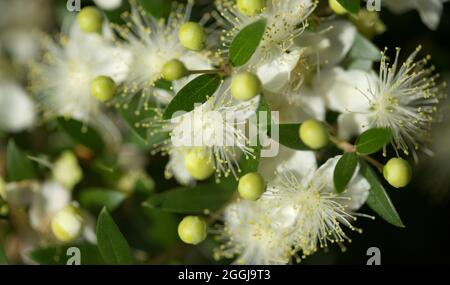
x: 430, y: 10
x: 66, y: 170
x: 17, y: 110
x: 152, y: 43
x: 314, y: 212
x: 217, y: 125
x: 254, y: 234
x: 108, y: 4
x: 62, y: 81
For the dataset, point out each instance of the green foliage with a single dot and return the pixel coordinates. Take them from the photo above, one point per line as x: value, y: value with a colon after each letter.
x: 112, y: 244
x: 195, y: 92
x: 18, y: 166
x: 345, y: 168
x: 246, y: 42
x: 195, y: 200
x: 288, y: 136
x: 373, y: 140
x: 97, y: 198
x: 352, y: 6
x: 82, y: 134
x: 379, y: 200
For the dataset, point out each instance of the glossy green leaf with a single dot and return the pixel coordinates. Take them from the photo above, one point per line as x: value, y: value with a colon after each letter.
x: 344, y: 170
x: 246, y: 42
x: 288, y: 136
x: 352, y: 6
x: 195, y: 92
x: 111, y: 243
x: 196, y: 200
x: 96, y: 198
x: 373, y: 140
x: 378, y: 199
x: 59, y: 255
x: 363, y: 49
x: 157, y: 8
x: 81, y: 133
x: 18, y: 166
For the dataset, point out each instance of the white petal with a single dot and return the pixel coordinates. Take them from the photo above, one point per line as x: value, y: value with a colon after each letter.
x: 276, y: 74
x: 343, y: 89
x: 357, y: 189
x: 175, y: 167
x: 108, y: 4
x: 351, y: 125
x: 430, y: 12
x: 17, y: 110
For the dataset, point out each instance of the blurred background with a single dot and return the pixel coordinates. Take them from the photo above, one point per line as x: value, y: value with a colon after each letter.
x: 424, y: 206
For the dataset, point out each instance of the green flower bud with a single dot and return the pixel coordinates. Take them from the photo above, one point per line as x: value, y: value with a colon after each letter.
x: 103, y: 88
x: 397, y: 172
x: 251, y: 186
x: 314, y: 134
x: 245, y: 86
x: 251, y: 7
x: 192, y: 36
x: 67, y: 224
x: 198, y: 163
x: 174, y: 70
x: 337, y: 7
x: 90, y: 20
x: 192, y: 230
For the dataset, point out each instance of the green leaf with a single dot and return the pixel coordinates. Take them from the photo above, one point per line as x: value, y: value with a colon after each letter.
x: 378, y: 199
x: 361, y: 64
x: 246, y: 42
x: 288, y: 136
x: 157, y: 8
x: 3, y: 259
x: 196, y: 200
x: 81, y: 133
x: 111, y: 243
x: 373, y: 140
x: 364, y: 49
x: 352, y: 6
x: 96, y: 198
x: 196, y: 91
x: 344, y: 170
x: 18, y: 166
x: 250, y: 164
x: 58, y: 255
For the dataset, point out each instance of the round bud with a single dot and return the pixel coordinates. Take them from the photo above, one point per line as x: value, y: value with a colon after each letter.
x: 245, y: 86
x: 192, y: 230
x: 103, y: 88
x: 173, y: 70
x: 397, y: 172
x: 198, y: 163
x: 337, y: 7
x: 314, y: 134
x: 251, y: 186
x: 67, y: 224
x: 192, y: 36
x: 251, y: 7
x: 90, y: 20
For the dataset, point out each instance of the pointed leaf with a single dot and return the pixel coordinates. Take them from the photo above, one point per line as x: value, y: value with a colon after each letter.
x: 18, y: 166
x: 246, y: 42
x: 345, y: 168
x: 373, y: 140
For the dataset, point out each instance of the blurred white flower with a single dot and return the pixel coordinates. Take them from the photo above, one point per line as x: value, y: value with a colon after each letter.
x: 17, y: 110
x: 430, y: 11
x: 66, y: 170
x: 108, y: 4
x: 62, y: 81
x: 254, y: 235
x: 153, y: 42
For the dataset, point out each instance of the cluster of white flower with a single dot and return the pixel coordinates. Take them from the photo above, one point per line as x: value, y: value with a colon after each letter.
x: 301, y: 68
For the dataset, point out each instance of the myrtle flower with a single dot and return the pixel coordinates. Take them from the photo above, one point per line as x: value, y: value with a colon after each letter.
x: 217, y: 126
x: 253, y: 235
x: 62, y: 80
x: 66, y: 170
x: 152, y: 43
x: 318, y: 214
x: 405, y: 100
